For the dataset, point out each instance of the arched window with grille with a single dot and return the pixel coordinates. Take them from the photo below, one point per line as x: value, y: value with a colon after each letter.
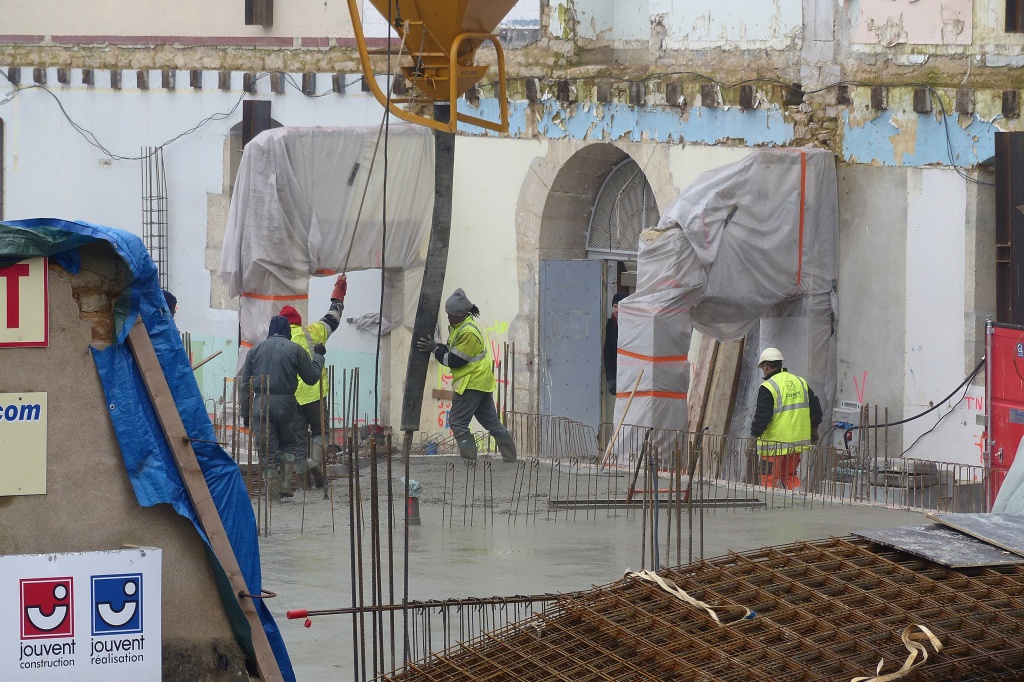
x: 625, y: 206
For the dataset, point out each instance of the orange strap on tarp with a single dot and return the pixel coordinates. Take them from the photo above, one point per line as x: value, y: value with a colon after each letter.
x: 803, y: 202
x: 654, y: 394
x: 267, y: 297
x: 652, y: 358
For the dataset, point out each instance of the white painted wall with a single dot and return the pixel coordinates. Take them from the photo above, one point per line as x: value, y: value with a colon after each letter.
x: 739, y: 24
x: 935, y: 318
x: 52, y: 171
x: 292, y: 18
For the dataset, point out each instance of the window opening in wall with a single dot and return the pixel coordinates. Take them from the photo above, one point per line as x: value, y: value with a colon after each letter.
x: 625, y: 206
x: 235, y: 148
x: 1015, y: 16
x: 154, y: 209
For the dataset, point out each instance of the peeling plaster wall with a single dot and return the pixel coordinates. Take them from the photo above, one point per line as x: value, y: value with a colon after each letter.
x: 891, y: 22
x: 619, y: 121
x: 153, y: 18
x: 728, y: 24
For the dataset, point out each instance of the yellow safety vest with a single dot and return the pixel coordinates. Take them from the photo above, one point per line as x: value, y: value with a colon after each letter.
x: 467, y: 342
x: 305, y: 393
x: 790, y: 428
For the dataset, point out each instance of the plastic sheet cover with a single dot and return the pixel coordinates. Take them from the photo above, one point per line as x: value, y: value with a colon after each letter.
x: 745, y: 241
x: 148, y: 460
x: 294, y: 207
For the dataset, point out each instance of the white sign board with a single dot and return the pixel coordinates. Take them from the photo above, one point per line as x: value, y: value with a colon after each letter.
x: 22, y: 444
x: 24, y: 311
x: 91, y: 616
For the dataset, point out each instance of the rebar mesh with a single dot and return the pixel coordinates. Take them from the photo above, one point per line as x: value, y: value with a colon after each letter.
x: 827, y: 610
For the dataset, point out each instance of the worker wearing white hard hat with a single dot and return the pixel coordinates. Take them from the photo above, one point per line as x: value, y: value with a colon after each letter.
x: 785, y: 422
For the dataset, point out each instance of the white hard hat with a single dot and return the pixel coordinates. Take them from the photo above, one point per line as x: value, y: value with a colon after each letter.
x: 770, y: 355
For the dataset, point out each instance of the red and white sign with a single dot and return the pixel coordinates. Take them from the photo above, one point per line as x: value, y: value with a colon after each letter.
x: 24, y: 309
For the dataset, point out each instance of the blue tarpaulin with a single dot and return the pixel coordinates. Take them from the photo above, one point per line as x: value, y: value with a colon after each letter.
x: 147, y: 457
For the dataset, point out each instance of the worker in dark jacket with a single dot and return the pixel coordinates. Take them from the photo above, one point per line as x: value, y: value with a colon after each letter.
x: 785, y: 421
x: 270, y: 376
x: 611, y: 344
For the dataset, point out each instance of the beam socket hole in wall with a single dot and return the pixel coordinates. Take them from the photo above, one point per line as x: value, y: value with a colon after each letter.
x: 625, y: 207
x: 1015, y: 16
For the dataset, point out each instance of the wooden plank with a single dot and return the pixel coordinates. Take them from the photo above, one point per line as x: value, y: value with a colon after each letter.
x: 1001, y: 530
x: 722, y: 393
x: 942, y: 545
x: 195, y: 485
x: 697, y: 396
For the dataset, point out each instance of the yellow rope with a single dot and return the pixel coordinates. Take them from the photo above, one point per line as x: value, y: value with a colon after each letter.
x: 911, y: 641
x: 680, y: 593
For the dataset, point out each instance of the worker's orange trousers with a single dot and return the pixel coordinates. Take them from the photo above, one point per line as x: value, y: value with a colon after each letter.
x: 783, y: 472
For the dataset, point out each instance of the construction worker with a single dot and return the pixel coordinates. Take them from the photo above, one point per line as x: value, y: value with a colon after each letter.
x: 312, y: 406
x: 172, y: 302
x: 785, y: 422
x: 467, y: 355
x: 270, y: 376
x: 611, y: 344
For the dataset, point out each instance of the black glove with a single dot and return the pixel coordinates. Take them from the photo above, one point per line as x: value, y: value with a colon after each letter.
x: 319, y: 349
x: 245, y: 422
x: 814, y: 436
x: 425, y: 345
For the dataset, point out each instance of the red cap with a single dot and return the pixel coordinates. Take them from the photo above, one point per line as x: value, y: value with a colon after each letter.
x: 292, y: 314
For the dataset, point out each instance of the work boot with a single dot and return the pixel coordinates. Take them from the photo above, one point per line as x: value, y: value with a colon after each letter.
x: 317, y: 476
x: 507, y: 447
x: 315, y: 465
x: 287, y: 471
x: 273, y: 484
x: 467, y: 447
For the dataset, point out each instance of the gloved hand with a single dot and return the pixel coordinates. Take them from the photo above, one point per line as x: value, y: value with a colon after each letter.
x: 814, y: 436
x: 425, y: 345
x: 319, y: 349
x: 245, y: 421
x: 340, y: 288
x: 751, y: 449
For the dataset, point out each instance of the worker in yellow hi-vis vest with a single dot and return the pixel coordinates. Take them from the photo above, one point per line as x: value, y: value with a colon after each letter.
x: 312, y: 399
x: 785, y: 422
x: 467, y: 355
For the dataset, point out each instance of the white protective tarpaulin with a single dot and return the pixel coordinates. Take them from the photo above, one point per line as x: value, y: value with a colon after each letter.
x: 294, y: 207
x: 756, y: 238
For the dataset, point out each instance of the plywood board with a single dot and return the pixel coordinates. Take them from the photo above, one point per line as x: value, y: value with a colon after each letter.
x: 697, y: 398
x: 142, y: 350
x: 1001, y: 530
x: 942, y: 545
x: 722, y: 393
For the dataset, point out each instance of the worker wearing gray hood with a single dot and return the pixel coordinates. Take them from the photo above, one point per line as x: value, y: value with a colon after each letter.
x: 270, y: 376
x: 467, y: 355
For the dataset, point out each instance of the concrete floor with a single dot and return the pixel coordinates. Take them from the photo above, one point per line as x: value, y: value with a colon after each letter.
x: 309, y: 566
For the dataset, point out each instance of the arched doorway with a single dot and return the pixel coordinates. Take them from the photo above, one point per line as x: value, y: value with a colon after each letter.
x: 596, y: 208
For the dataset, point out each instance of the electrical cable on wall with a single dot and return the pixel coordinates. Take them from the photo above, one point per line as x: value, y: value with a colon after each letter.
x: 91, y: 138
x: 934, y: 407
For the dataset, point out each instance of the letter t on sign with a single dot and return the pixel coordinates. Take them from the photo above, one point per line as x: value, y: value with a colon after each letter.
x: 24, y: 314
x: 13, y: 274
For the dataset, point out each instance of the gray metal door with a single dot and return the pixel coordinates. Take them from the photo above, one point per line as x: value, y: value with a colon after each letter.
x: 570, y: 339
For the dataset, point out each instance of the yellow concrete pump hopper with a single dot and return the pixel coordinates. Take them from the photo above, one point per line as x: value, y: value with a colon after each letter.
x: 441, y: 37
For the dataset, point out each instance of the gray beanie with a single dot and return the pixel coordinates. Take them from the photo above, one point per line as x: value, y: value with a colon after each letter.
x: 457, y: 304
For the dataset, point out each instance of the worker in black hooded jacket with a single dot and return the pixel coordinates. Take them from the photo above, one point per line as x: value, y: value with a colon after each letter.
x: 270, y: 376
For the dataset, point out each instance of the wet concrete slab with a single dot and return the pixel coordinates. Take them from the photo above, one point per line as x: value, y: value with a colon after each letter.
x: 307, y: 561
